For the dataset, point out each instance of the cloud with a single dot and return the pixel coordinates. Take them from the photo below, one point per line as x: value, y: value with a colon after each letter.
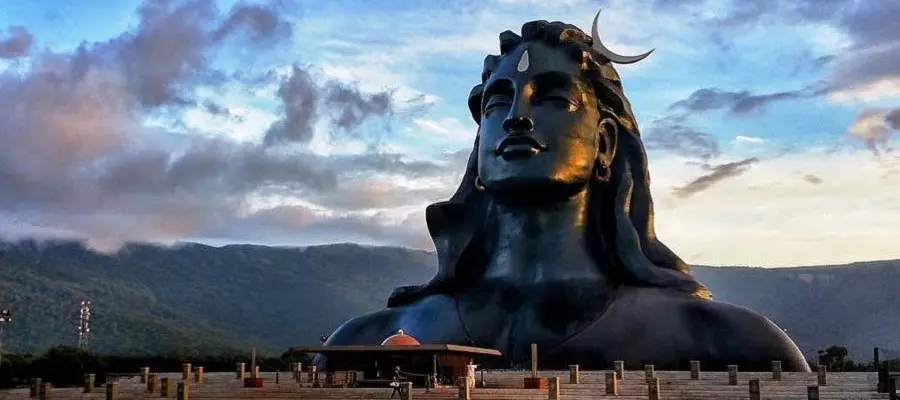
x: 79, y: 157
x: 874, y: 127
x: 171, y: 50
x: 200, y: 123
x: 716, y: 174
x: 261, y: 23
x: 869, y: 60
x: 740, y: 102
x: 16, y: 44
x: 813, y: 179
x: 671, y: 133
x: 289, y: 225
x: 748, y: 139
x: 299, y: 101
x: 771, y: 214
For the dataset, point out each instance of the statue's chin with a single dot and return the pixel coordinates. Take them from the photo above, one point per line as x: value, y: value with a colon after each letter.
x: 534, y: 190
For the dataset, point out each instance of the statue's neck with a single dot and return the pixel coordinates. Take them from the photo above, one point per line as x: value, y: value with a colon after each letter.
x: 536, y: 245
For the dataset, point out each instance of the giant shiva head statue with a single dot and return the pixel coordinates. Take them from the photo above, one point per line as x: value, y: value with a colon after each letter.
x: 553, y: 122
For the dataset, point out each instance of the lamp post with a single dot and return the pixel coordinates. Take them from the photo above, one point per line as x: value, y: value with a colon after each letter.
x: 5, y: 318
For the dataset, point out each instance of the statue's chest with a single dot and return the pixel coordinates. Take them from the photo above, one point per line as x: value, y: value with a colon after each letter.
x: 512, y: 317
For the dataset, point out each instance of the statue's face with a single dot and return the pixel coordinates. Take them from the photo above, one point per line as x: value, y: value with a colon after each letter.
x: 539, y: 130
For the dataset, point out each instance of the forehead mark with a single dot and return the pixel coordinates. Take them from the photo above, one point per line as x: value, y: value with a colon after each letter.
x: 524, y: 63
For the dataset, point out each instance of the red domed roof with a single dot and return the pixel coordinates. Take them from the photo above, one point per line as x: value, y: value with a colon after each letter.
x: 400, y: 339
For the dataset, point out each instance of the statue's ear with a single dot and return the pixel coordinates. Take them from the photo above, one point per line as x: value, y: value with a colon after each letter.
x: 609, y: 140
x: 475, y: 102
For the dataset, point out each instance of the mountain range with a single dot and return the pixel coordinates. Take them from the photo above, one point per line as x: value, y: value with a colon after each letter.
x: 197, y: 298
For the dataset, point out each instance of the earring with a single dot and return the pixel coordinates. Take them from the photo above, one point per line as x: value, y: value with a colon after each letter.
x: 602, y: 171
x: 478, y: 185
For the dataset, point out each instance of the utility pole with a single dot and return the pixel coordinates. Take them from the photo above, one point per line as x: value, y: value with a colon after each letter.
x: 5, y: 318
x: 84, y: 330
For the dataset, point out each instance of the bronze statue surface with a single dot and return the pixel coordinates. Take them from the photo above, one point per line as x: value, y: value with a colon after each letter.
x: 549, y: 238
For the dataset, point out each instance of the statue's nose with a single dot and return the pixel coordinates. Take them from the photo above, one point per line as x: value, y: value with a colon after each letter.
x: 519, y: 124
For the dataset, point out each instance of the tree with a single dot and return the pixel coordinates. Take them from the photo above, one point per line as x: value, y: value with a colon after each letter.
x: 834, y: 358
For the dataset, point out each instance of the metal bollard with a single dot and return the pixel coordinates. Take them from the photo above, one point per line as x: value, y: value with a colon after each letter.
x: 612, y: 383
x: 186, y: 372
x: 812, y: 393
x: 465, y: 391
x: 46, y: 389
x: 166, y: 388
x: 755, y: 393
x: 574, y: 375
x: 35, y: 388
x: 89, y: 380
x: 151, y: 382
x: 653, y: 389
x: 407, y: 391
x: 732, y: 375
x: 112, y: 391
x: 649, y: 372
x: 620, y: 370
x: 184, y: 391
x: 553, y: 389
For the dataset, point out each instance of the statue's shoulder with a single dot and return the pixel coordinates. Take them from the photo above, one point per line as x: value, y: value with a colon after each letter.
x: 366, y: 329
x: 741, y: 332
x: 424, y: 319
x: 721, y: 332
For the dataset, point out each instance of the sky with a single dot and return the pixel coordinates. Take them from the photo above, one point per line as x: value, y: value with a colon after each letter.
x: 770, y: 125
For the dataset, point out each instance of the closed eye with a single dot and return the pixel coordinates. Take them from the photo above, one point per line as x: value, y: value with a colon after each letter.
x: 560, y: 101
x: 497, y: 101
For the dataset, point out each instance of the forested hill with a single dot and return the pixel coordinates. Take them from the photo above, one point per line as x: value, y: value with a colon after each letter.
x: 193, y: 297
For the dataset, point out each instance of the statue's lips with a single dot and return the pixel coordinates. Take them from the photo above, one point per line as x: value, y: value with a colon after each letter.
x: 519, y: 146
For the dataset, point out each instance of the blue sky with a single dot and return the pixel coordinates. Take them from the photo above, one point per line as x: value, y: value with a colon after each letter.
x: 156, y: 129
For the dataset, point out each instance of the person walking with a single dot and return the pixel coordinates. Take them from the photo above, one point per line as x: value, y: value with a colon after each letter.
x: 395, y: 382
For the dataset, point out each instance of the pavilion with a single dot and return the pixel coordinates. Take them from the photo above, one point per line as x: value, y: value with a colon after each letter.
x: 418, y: 361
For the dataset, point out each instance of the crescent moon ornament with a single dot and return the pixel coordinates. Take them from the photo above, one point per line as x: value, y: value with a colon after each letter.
x: 605, y: 52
